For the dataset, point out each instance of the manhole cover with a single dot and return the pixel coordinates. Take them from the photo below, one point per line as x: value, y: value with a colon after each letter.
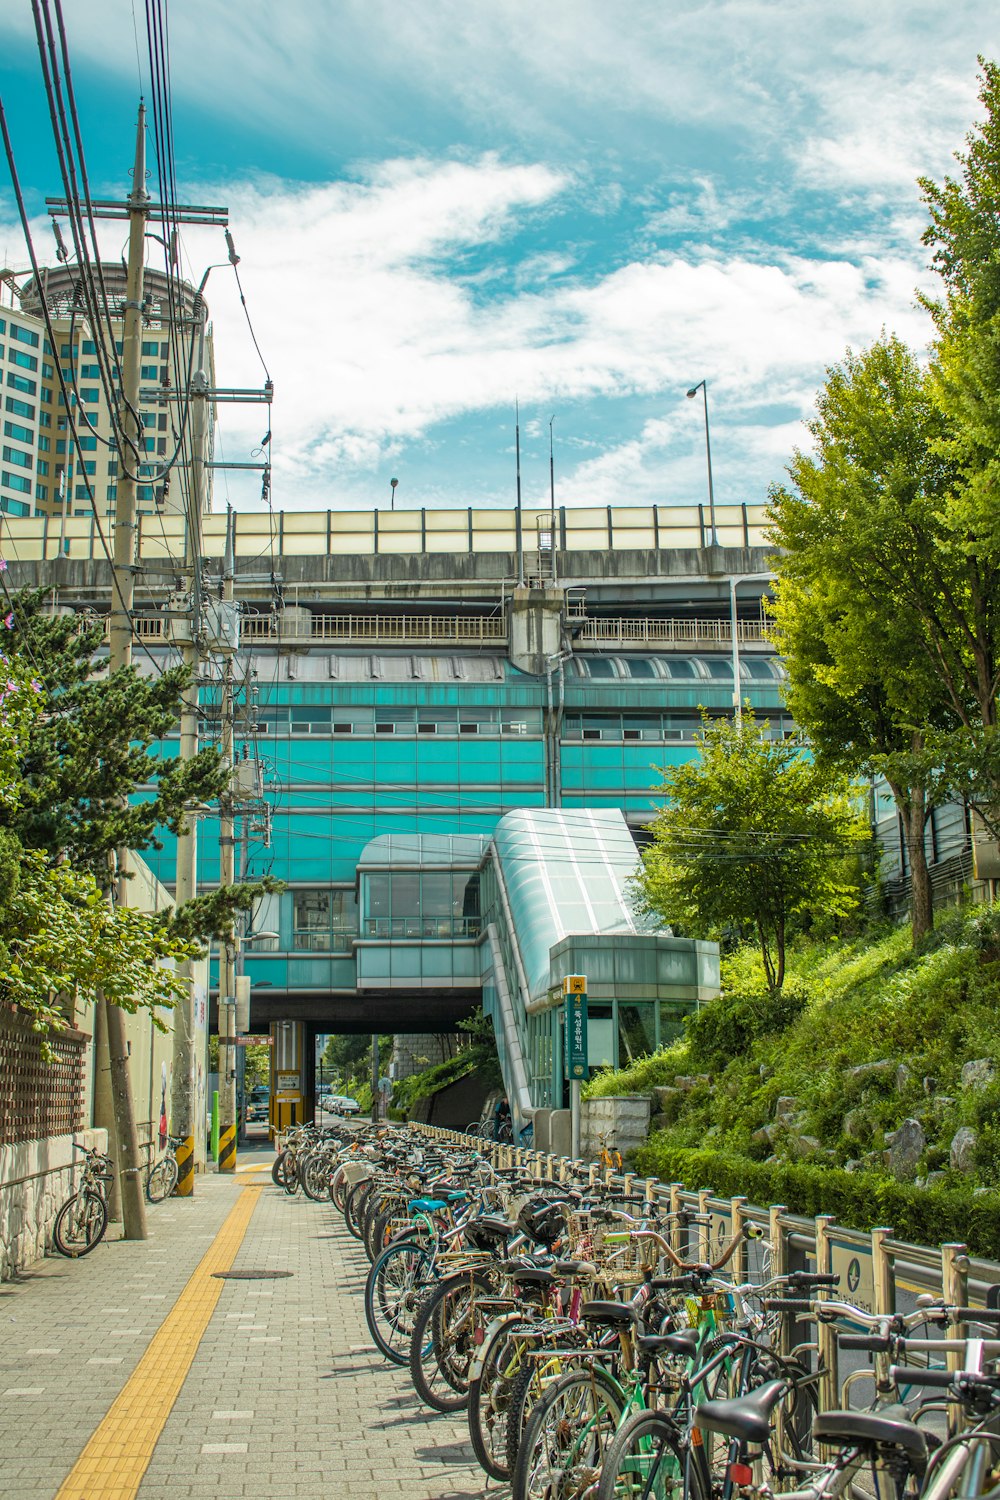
x: 249, y: 1275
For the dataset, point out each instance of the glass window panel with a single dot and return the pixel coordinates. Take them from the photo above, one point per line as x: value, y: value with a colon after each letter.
x: 405, y: 893
x: 671, y: 1022
x: 680, y: 667
x: 716, y: 668
x: 377, y: 905
x: 636, y: 1031
x: 435, y: 893
x: 601, y: 666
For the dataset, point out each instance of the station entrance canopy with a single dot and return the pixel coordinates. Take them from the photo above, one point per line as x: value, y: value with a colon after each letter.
x: 547, y: 896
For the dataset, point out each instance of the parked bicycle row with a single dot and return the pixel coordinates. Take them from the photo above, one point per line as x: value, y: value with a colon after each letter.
x: 598, y: 1358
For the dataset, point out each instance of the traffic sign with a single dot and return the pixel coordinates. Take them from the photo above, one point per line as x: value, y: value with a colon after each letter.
x: 575, y: 990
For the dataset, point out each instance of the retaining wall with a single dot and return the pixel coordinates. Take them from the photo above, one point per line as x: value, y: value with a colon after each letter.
x: 36, y: 1178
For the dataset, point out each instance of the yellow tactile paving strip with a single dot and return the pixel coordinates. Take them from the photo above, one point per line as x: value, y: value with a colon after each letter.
x: 112, y: 1465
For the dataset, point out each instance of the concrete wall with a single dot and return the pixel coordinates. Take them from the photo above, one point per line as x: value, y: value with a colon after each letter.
x: 36, y: 1178
x: 412, y: 1053
x: 623, y: 1122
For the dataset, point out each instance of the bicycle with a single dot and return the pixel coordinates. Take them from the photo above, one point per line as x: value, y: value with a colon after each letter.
x: 161, y: 1179
x: 609, y: 1156
x: 82, y: 1220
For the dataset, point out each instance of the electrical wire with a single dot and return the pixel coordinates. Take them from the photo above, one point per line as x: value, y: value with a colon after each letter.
x: 71, y: 426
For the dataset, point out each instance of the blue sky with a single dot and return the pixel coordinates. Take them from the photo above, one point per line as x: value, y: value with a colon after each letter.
x: 587, y: 206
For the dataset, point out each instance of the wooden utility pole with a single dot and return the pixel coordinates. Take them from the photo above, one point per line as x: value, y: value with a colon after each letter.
x: 114, y: 1108
x: 128, y: 1153
x: 183, y: 1091
x: 227, y: 876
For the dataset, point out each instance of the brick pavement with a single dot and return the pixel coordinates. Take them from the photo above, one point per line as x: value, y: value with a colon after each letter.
x: 286, y: 1398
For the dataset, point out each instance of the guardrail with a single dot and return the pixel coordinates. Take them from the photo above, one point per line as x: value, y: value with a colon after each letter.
x: 687, y: 634
x: 877, y: 1271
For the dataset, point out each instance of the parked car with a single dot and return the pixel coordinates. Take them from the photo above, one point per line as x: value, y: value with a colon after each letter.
x: 341, y: 1104
x: 258, y: 1104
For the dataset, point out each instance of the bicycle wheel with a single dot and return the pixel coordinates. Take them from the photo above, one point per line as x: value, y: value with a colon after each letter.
x: 567, y: 1436
x: 443, y: 1343
x: 492, y: 1380
x: 396, y: 1283
x: 278, y: 1168
x: 80, y: 1224
x: 649, y: 1460
x: 315, y: 1177
x: 353, y: 1207
x: 162, y: 1179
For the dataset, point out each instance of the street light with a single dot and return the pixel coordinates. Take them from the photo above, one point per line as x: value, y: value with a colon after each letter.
x: 703, y: 387
x: 734, y: 583
x: 392, y: 493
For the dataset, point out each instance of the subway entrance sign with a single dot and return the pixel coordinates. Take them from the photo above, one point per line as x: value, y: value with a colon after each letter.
x: 575, y: 992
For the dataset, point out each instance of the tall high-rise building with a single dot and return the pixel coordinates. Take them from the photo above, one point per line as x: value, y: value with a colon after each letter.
x: 43, y: 472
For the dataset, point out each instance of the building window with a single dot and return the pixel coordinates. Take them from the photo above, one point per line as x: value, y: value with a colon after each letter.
x: 21, y: 383
x: 47, y: 371
x: 41, y: 492
x: 87, y: 441
x: 25, y: 335
x: 14, y: 430
x: 47, y: 394
x: 26, y: 361
x: 149, y: 372
x: 15, y: 482
x: 90, y: 372
x: 89, y: 396
x: 88, y: 347
x: 15, y: 456
x: 14, y: 507
x: 150, y: 347
x: 112, y: 468
x: 422, y: 904
x: 45, y: 419
x: 20, y: 408
x: 81, y: 492
x: 112, y: 492
x: 42, y: 467
x: 44, y: 443
x: 325, y: 921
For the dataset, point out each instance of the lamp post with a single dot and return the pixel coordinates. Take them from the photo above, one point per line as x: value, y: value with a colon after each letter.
x: 734, y: 584
x: 703, y: 387
x: 392, y: 493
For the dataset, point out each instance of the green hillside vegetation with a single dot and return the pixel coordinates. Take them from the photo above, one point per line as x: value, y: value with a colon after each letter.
x: 802, y: 1092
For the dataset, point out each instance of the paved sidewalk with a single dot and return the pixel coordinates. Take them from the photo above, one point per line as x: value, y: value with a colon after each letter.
x: 285, y: 1397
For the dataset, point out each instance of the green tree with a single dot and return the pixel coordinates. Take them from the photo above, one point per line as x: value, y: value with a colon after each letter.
x: 755, y: 834
x: 91, y: 747
x: 60, y: 940
x: 863, y: 680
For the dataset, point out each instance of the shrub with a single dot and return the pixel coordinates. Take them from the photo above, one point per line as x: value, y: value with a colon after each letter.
x: 728, y: 1027
x: 858, y: 1200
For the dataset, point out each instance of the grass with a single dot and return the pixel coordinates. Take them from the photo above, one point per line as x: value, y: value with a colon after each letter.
x: 847, y: 1002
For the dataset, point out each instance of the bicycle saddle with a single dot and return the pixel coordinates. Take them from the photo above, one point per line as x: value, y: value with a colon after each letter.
x: 890, y: 1427
x: 747, y: 1417
x: 616, y: 1314
x: 681, y: 1341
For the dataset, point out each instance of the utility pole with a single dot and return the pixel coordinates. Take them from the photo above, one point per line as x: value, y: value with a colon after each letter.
x: 119, y: 1116
x: 227, y: 875
x: 126, y: 1133
x: 183, y: 1088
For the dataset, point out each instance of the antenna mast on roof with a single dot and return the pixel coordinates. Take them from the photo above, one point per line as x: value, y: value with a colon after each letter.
x: 517, y: 519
